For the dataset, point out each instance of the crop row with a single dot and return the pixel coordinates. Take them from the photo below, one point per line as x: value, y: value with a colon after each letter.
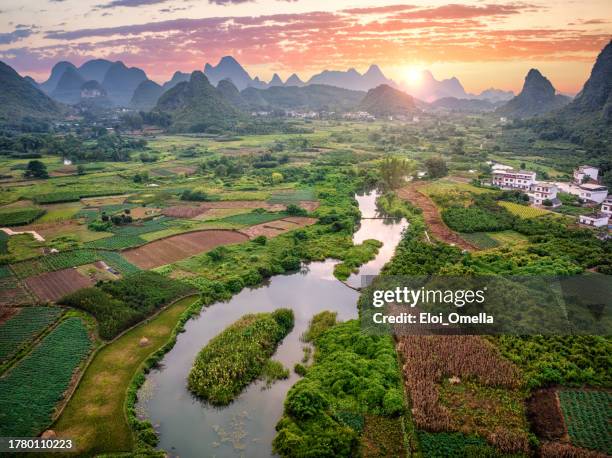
x: 32, y: 389
x: 19, y: 216
x: 116, y: 242
x: 21, y: 328
x: 587, y: 416
x: 53, y: 262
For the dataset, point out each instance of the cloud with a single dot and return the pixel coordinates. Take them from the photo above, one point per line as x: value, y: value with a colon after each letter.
x: 387, y: 35
x: 19, y: 33
x: 129, y: 3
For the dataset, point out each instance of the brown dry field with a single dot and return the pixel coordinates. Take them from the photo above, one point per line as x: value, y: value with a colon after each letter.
x: 177, y: 247
x: 52, y: 286
x: 544, y: 413
x: 435, y: 225
x: 108, y: 200
x: 274, y: 228
x: 143, y: 212
x: 191, y: 211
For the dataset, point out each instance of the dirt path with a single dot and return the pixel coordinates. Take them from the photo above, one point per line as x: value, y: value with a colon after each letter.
x: 435, y: 225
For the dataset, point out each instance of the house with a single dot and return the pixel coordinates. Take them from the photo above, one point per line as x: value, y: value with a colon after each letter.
x: 606, y: 206
x: 542, y: 191
x: 512, y: 179
x: 591, y: 193
x: 585, y: 173
x: 596, y: 220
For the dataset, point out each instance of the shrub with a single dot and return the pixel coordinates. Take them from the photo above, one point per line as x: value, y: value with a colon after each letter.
x: 305, y: 400
x: 296, y: 210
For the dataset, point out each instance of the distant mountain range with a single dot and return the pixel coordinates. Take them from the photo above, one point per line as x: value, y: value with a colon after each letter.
x: 121, y: 83
x: 537, y: 97
x: 194, y: 103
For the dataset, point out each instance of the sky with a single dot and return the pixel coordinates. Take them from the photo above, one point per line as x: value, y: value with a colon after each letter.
x: 484, y: 43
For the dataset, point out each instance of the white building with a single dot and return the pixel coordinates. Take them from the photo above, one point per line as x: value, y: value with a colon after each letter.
x: 588, y: 192
x: 606, y: 206
x: 541, y: 191
x: 585, y: 171
x: 598, y: 220
x: 512, y: 179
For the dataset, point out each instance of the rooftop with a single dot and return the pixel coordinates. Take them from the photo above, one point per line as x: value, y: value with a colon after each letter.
x: 593, y: 187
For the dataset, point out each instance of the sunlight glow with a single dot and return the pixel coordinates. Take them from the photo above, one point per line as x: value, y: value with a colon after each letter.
x: 413, y: 75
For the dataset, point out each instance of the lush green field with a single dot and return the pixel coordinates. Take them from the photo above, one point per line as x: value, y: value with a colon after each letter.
x: 237, y: 356
x: 588, y: 418
x: 19, y: 216
x: 23, y: 327
x: 482, y: 240
x: 42, y: 376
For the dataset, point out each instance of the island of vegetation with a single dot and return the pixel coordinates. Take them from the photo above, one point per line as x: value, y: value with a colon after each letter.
x: 239, y: 355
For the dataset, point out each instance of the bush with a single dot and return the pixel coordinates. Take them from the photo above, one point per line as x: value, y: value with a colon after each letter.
x: 296, y: 210
x: 305, y: 400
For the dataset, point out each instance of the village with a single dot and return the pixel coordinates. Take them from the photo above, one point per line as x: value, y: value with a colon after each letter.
x: 592, y: 195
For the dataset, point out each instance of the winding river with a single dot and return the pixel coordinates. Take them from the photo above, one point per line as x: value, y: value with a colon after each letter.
x: 190, y: 428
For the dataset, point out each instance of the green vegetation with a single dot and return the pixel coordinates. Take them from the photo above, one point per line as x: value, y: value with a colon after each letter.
x: 355, y: 257
x: 456, y: 445
x: 481, y: 240
x: 120, y: 304
x: 353, y: 376
x: 273, y: 371
x: 587, y: 417
x: 239, y: 355
x: 562, y: 360
x: 391, y: 205
x: 523, y: 211
x: 21, y: 328
x: 46, y: 371
x: 254, y: 217
x: 19, y: 215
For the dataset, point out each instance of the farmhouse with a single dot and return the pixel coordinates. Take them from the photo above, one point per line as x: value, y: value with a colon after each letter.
x: 585, y: 173
x: 542, y: 191
x: 596, y: 220
x: 606, y: 206
x: 512, y: 179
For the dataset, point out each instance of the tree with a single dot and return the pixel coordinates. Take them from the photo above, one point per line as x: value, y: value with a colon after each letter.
x: 36, y: 169
x: 457, y: 147
x: 394, y: 171
x: 80, y: 169
x: 436, y: 167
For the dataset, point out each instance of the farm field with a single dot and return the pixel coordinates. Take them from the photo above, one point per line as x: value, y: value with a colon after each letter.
x: 177, y: 247
x: 524, y: 211
x: 95, y: 413
x: 45, y: 373
x: 51, y: 286
x: 23, y: 326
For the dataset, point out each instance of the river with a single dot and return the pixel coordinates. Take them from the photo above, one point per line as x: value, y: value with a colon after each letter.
x: 190, y: 428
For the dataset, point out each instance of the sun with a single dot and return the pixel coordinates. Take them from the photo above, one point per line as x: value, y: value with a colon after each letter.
x: 413, y: 75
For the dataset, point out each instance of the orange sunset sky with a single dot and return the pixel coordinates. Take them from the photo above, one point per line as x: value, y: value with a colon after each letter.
x: 483, y: 43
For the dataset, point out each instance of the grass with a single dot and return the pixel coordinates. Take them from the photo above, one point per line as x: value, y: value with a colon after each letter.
x: 59, y: 212
x: 95, y: 414
x: 508, y: 238
x: 445, y: 186
x: 523, y: 211
x: 19, y: 216
x: 482, y: 240
x: 250, y: 219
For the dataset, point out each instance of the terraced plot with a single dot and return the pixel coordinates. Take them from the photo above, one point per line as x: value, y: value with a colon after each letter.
x: 175, y: 248
x: 51, y: 286
x: 22, y: 327
x: 43, y: 375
